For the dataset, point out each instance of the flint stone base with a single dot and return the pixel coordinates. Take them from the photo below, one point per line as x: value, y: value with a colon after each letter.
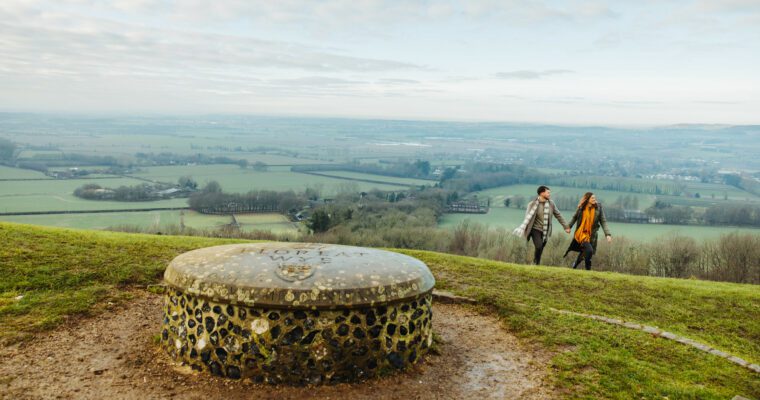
x: 295, y: 346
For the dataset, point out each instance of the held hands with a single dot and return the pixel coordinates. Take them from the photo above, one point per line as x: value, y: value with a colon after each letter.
x: 609, y: 239
x: 567, y: 230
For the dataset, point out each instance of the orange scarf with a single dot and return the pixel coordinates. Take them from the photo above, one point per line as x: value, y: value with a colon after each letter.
x: 583, y: 233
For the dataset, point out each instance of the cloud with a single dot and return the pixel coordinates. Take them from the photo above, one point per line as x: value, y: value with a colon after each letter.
x: 728, y: 6
x: 322, y: 86
x: 601, y: 102
x: 527, y: 11
x: 317, y: 81
x: 608, y: 40
x: 60, y: 59
x: 530, y: 74
x: 718, y: 102
x: 302, y: 56
x: 398, y: 81
x: 330, y: 15
x: 84, y: 45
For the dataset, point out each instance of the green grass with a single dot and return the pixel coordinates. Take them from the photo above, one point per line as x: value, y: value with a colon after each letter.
x: 708, y: 190
x: 98, y: 220
x: 273, y: 159
x: 708, y: 201
x: 40, y: 155
x: 198, y: 141
x: 276, y: 223
x: 18, y: 173
x: 64, y: 272
x: 381, y: 178
x: 57, y: 195
x: 511, y: 218
x: 237, y: 180
x: 596, y: 360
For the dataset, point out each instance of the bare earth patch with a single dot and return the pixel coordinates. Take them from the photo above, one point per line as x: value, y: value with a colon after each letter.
x: 114, y: 356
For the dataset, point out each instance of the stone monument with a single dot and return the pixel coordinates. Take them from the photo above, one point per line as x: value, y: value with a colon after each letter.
x: 297, y: 313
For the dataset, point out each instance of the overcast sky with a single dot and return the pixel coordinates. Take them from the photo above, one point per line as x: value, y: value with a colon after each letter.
x: 601, y: 62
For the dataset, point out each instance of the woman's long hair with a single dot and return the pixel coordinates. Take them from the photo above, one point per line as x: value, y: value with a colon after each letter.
x: 584, y: 200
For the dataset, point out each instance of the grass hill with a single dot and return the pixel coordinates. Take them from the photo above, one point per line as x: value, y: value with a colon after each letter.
x: 48, y: 275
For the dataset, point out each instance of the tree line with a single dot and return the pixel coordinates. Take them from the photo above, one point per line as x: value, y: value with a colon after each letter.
x: 167, y: 158
x: 212, y: 200
x: 140, y: 192
x: 474, y: 177
x: 618, y: 184
x: 743, y: 214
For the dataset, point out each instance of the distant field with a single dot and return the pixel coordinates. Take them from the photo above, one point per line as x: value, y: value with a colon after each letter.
x: 706, y: 201
x: 498, y: 194
x: 57, y: 195
x: 18, y: 173
x: 158, y: 219
x: 511, y: 218
x: 276, y: 223
x: 99, y: 220
x: 86, y: 167
x: 237, y: 180
x: 80, y: 167
x: 190, y: 140
x: 705, y: 190
x: 40, y: 154
x: 273, y: 159
x: 715, y: 191
x: 383, y: 178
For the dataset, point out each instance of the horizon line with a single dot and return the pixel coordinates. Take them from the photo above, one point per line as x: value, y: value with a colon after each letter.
x: 143, y: 114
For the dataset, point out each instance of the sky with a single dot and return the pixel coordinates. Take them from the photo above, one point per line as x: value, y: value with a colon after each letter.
x: 616, y: 63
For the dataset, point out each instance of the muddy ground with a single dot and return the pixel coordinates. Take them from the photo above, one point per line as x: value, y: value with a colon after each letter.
x: 114, y: 356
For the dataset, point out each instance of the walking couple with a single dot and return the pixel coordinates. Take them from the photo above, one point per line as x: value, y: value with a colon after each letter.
x: 588, y: 217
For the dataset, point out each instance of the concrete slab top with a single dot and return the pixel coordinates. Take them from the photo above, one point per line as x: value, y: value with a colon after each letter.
x: 299, y: 275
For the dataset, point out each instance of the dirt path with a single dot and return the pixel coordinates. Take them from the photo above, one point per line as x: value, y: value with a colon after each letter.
x: 113, y: 356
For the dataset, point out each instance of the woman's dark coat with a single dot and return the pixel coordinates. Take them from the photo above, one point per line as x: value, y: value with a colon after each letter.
x: 599, y: 220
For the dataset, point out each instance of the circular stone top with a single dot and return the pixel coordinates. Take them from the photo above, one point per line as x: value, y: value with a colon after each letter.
x: 299, y: 275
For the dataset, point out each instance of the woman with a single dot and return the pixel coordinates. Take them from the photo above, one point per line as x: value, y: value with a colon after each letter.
x: 589, y: 215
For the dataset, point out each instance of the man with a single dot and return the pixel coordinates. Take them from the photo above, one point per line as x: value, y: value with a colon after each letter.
x: 537, y: 225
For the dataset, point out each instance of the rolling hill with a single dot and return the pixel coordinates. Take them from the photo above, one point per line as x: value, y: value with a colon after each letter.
x: 48, y: 275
